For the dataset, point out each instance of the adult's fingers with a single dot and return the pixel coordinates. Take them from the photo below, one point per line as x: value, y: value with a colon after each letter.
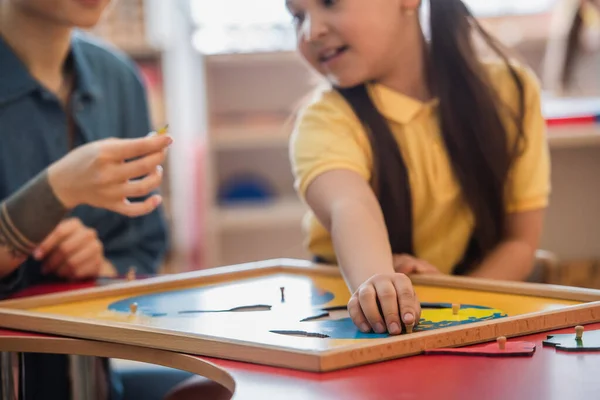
x: 71, y: 244
x: 367, y: 296
x: 62, y: 230
x: 357, y: 315
x: 139, y: 167
x: 410, y: 309
x: 84, y: 254
x: 136, y: 209
x: 125, y: 149
x: 144, y: 186
x: 88, y: 269
x: 388, y: 300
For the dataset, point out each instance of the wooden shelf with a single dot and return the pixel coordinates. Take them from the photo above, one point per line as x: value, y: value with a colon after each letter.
x: 571, y: 136
x: 142, y: 53
x: 249, y: 137
x: 253, y: 58
x: 279, y: 212
x: 260, y: 137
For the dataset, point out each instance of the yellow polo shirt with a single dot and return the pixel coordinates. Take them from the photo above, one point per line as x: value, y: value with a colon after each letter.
x: 329, y: 136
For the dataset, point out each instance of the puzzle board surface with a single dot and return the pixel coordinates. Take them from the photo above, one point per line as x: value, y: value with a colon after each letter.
x: 243, y: 316
x: 189, y: 309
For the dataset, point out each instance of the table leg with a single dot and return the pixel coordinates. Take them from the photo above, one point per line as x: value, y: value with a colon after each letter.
x: 88, y: 378
x: 11, y: 379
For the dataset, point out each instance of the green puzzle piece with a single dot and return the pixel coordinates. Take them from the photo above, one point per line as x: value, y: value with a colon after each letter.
x: 590, y: 341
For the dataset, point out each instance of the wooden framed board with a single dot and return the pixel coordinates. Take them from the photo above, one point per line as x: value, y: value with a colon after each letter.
x: 237, y: 312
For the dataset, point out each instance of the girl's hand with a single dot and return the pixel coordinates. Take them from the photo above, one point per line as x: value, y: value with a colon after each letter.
x: 379, y: 302
x: 406, y: 264
x: 73, y: 251
x: 105, y: 173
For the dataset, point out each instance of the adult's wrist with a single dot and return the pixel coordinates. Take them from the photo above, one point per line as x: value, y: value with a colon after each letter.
x: 61, y: 189
x: 30, y: 214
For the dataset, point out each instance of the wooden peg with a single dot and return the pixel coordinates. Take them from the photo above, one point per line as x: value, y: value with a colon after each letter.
x: 501, y: 342
x: 409, y: 328
x: 455, y: 308
x: 578, y: 332
x: 133, y: 308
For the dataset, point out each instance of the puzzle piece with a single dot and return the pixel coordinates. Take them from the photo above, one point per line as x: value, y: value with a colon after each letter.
x: 578, y: 341
x: 500, y: 349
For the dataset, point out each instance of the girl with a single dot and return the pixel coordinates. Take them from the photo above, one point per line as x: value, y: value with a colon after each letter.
x: 62, y: 95
x: 421, y: 157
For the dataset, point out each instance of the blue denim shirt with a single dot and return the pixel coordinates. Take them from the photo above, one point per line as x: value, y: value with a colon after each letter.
x: 109, y: 100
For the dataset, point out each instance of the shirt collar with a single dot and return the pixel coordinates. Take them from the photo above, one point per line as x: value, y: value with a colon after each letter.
x: 16, y: 81
x: 87, y: 82
x: 395, y: 105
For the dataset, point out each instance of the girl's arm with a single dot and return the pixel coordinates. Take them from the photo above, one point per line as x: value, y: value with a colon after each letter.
x: 346, y: 206
x: 513, y: 258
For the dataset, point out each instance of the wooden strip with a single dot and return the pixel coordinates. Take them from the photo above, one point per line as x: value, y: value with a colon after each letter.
x: 518, y: 288
x: 60, y: 345
x: 162, y: 283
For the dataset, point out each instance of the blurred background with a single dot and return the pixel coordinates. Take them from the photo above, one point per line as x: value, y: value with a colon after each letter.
x: 224, y: 75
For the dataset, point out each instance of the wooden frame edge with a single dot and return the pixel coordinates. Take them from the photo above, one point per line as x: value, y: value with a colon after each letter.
x: 479, y: 332
x: 165, y: 282
x: 253, y: 269
x: 148, y: 337
x: 508, y: 287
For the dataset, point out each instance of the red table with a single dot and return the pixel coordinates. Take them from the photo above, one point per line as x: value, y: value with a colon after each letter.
x: 548, y: 375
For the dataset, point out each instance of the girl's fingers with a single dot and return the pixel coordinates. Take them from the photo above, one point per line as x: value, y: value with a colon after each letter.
x: 426, y: 268
x: 367, y: 297
x: 404, y: 264
x: 388, y: 299
x: 410, y: 309
x: 406, y: 269
x: 357, y: 315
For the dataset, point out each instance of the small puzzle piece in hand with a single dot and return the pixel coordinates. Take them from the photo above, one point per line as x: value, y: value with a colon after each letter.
x: 577, y: 341
x: 500, y: 349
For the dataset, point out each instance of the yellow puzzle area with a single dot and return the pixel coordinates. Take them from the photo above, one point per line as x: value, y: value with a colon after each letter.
x: 268, y: 309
